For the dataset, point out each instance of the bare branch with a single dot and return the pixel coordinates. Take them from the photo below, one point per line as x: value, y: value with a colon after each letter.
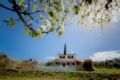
x: 3, y: 6
x: 20, y: 16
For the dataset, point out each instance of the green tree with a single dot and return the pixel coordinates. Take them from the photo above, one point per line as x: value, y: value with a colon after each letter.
x: 51, y: 63
x: 51, y: 15
x: 88, y: 65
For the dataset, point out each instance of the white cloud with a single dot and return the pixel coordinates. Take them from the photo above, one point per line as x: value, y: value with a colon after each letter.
x: 102, y: 56
x: 50, y: 58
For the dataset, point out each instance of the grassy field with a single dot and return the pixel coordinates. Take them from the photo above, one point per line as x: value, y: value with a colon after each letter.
x: 98, y: 74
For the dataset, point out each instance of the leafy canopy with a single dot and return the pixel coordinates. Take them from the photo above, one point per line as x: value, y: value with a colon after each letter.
x: 41, y: 17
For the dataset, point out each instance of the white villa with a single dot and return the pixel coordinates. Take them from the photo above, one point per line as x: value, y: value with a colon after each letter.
x: 67, y: 59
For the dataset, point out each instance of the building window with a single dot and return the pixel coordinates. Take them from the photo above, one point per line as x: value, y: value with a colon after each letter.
x: 57, y: 63
x: 73, y: 63
x: 62, y: 57
x: 70, y: 57
x: 62, y: 63
x: 68, y: 63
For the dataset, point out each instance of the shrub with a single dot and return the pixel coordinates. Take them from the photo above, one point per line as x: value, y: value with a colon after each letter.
x: 5, y: 61
x: 27, y: 64
x: 51, y: 63
x: 88, y: 65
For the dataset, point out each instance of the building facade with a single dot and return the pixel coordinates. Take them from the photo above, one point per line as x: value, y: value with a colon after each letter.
x: 66, y: 59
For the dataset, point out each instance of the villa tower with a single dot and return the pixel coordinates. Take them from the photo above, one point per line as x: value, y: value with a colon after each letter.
x: 66, y: 59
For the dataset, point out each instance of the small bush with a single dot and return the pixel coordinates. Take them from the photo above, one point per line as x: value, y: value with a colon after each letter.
x: 51, y: 63
x: 88, y: 65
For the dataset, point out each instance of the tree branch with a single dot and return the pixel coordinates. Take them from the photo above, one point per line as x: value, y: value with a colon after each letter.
x: 3, y: 6
x: 27, y: 13
x: 28, y: 5
x: 16, y: 9
x: 19, y: 14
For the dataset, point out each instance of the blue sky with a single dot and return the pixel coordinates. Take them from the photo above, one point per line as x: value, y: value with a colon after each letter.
x: 79, y: 39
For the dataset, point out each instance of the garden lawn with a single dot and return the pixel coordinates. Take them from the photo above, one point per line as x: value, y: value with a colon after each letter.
x: 98, y: 74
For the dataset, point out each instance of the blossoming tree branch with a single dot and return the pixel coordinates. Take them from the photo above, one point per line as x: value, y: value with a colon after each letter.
x: 40, y: 17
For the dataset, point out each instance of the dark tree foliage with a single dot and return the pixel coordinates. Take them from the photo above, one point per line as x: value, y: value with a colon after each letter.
x: 88, y: 65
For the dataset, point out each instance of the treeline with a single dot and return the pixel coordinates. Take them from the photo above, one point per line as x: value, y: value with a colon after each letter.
x: 86, y: 65
x: 114, y: 63
x: 89, y: 65
x: 8, y: 63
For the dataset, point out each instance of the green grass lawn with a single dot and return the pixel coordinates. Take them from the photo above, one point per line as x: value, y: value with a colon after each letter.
x: 98, y: 74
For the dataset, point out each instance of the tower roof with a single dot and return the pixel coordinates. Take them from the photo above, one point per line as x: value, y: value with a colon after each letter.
x: 65, y: 51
